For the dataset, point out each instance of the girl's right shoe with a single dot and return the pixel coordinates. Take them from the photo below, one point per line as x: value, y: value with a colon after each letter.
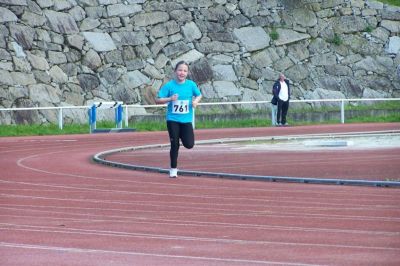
x: 173, y: 173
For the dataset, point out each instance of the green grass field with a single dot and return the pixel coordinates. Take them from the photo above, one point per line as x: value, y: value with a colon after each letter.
x: 391, y: 2
x: 52, y: 129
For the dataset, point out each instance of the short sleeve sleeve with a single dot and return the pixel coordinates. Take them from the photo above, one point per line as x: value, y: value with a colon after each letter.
x: 164, y: 91
x: 196, y: 90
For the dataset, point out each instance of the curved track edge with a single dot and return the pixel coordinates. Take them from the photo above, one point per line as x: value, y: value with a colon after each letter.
x: 99, y: 158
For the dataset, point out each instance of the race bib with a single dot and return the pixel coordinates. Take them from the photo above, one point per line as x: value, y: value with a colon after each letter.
x: 180, y: 107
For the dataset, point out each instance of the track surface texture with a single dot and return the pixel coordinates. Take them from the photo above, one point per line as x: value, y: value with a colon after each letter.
x: 57, y: 207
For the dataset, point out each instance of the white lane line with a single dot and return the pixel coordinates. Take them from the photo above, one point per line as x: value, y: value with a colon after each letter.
x: 227, y: 213
x: 264, y: 203
x: 377, y: 203
x: 188, y: 223
x: 82, y: 143
x: 193, y: 205
x: 261, y: 201
x: 20, y: 163
x: 82, y: 232
x: 284, y: 204
x: 261, y: 214
x: 203, y: 196
x: 143, y: 216
x: 297, y: 161
x: 35, y: 148
x: 130, y: 253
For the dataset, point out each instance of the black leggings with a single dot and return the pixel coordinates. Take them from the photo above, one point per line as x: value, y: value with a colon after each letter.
x: 176, y: 131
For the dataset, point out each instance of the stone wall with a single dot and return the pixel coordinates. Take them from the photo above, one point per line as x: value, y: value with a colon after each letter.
x: 74, y: 52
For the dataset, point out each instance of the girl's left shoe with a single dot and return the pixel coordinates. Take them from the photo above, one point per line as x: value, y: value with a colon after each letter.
x: 173, y: 173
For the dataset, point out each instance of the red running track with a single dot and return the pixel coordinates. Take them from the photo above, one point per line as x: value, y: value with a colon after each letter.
x: 59, y: 208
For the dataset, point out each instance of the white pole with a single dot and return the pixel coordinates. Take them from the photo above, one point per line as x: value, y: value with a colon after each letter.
x: 60, y: 118
x: 194, y: 119
x: 126, y: 116
x: 342, y: 112
x: 273, y: 114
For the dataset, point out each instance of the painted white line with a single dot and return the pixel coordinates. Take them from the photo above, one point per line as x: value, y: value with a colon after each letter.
x: 229, y: 212
x: 372, y: 197
x: 202, y: 196
x: 21, y: 164
x: 376, y: 203
x: 115, y: 252
x: 193, y: 205
x: 153, y: 183
x: 50, y: 140
x: 297, y: 216
x: 44, y: 229
x: 251, y: 214
x: 187, y: 224
x: 143, y: 219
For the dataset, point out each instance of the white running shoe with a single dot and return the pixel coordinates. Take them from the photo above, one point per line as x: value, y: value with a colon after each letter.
x: 173, y: 173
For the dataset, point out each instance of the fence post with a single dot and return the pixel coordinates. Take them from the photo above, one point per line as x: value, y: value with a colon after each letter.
x: 273, y: 114
x: 194, y: 118
x: 126, y: 116
x: 60, y: 118
x: 342, y: 112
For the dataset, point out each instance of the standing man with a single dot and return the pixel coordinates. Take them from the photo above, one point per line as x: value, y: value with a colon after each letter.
x: 281, y: 91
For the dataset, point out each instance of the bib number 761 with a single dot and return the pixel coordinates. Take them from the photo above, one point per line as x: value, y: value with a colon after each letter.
x: 180, y: 107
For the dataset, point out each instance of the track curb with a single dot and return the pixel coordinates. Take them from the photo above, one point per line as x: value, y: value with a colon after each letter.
x: 99, y: 158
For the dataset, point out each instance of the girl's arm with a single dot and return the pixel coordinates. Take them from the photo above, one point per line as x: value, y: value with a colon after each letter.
x: 196, y: 100
x: 167, y: 99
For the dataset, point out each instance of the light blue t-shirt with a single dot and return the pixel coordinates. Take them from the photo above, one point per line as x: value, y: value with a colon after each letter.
x: 182, y: 109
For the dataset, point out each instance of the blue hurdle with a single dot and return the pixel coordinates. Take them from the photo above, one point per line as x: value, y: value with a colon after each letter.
x: 117, y: 106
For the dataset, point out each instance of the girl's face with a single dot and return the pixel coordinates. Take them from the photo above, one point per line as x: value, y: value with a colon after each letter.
x: 181, y: 72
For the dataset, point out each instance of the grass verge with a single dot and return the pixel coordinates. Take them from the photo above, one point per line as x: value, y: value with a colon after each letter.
x: 52, y: 129
x: 391, y: 2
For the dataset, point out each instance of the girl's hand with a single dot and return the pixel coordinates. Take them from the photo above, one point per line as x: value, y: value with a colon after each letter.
x: 174, y: 97
x: 196, y: 101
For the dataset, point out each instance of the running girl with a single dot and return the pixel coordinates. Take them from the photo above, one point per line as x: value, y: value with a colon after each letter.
x: 182, y: 95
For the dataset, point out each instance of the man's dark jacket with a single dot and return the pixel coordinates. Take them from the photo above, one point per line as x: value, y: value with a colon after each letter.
x: 276, y: 89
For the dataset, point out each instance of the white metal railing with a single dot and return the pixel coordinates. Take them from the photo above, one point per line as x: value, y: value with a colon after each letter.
x: 60, y: 111
x: 126, y: 107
